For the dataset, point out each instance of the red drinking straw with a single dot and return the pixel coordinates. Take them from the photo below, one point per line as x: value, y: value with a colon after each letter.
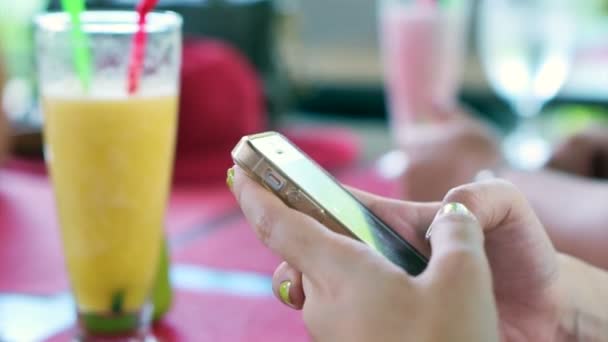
x: 136, y: 60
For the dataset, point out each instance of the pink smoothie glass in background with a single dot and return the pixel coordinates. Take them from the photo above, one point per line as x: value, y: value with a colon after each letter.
x: 423, y: 45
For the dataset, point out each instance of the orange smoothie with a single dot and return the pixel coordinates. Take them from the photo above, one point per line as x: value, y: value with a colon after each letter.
x: 110, y: 159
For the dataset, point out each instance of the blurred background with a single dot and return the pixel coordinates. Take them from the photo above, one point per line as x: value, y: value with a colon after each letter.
x: 318, y: 60
x: 315, y: 70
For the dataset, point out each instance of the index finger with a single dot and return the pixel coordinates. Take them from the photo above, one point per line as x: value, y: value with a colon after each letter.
x: 296, y: 237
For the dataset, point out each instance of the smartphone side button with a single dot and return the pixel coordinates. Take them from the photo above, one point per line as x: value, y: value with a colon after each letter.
x: 273, y: 181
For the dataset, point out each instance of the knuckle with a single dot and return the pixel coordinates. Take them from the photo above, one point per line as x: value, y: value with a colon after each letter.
x: 504, y: 185
x: 472, y: 195
x: 465, y: 194
x: 491, y: 201
x: 510, y: 190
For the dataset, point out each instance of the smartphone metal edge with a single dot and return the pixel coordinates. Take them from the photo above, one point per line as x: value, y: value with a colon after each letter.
x: 320, y: 215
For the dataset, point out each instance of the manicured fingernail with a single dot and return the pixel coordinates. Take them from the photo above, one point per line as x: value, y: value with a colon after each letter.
x: 230, y: 177
x: 453, y: 208
x: 284, y: 292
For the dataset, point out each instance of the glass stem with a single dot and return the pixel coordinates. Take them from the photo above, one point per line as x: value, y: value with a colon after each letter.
x: 528, y: 126
x: 525, y: 148
x: 527, y: 107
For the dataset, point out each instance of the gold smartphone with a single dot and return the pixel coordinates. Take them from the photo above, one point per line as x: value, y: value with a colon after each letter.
x: 277, y: 164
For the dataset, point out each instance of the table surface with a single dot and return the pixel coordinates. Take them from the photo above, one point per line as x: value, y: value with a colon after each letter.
x: 220, y: 273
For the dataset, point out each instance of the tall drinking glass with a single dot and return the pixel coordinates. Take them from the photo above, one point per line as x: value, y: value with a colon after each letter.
x: 526, y: 49
x: 423, y: 45
x: 110, y: 156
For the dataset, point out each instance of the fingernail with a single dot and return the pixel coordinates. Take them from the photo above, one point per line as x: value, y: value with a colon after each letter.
x: 284, y: 292
x: 230, y: 177
x: 448, y: 209
x: 454, y: 208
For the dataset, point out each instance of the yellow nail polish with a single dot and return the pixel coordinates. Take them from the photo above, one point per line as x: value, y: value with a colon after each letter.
x: 284, y: 292
x: 450, y: 208
x: 454, y: 208
x: 230, y: 177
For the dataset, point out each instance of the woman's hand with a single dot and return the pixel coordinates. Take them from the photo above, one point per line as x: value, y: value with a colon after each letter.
x: 523, y: 261
x: 445, y: 154
x: 346, y: 286
x: 353, y: 293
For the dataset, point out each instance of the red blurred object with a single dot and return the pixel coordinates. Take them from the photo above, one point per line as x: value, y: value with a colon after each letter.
x: 332, y: 148
x: 221, y: 99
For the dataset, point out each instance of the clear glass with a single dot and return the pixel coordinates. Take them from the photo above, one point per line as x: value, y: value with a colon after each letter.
x: 110, y: 157
x: 526, y: 49
x: 423, y: 46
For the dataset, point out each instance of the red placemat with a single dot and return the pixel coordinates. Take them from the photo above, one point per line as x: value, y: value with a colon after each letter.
x: 233, y: 247
x: 213, y: 317
x: 30, y: 253
x: 190, y: 206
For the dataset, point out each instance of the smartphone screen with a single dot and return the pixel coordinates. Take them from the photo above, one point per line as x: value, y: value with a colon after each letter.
x: 339, y: 203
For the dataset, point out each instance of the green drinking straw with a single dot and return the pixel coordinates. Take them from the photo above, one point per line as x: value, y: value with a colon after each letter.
x: 82, y: 56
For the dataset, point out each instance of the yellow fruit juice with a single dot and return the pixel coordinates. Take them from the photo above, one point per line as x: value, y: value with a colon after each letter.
x: 110, y: 158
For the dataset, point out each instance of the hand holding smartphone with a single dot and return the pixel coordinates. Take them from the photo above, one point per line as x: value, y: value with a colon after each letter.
x: 274, y: 162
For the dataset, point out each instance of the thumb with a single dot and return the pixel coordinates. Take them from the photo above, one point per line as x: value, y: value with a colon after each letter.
x: 457, y: 243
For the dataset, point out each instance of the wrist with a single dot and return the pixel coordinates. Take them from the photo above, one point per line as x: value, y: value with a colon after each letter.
x: 584, y: 299
x: 567, y: 323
